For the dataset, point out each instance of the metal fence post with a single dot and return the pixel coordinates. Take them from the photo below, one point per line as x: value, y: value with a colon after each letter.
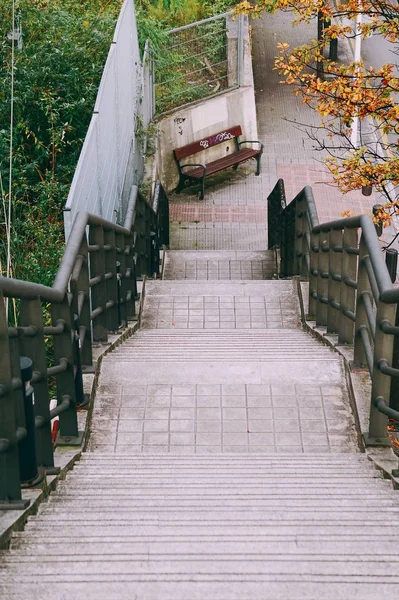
x: 381, y: 383
x: 322, y: 280
x: 28, y: 471
x: 314, y: 259
x: 298, y: 242
x: 122, y: 288
x: 131, y: 276
x: 81, y: 399
x: 31, y: 313
x: 240, y: 50
x: 334, y: 281
x: 69, y: 434
x: 10, y: 488
x: 348, y: 294
x: 98, y: 291
x: 140, y: 241
x: 80, y: 287
x: 111, y: 284
x: 363, y: 285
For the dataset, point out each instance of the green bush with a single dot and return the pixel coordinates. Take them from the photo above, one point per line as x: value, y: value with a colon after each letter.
x: 57, y: 73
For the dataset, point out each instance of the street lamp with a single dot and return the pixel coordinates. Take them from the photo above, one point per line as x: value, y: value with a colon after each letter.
x: 358, y: 45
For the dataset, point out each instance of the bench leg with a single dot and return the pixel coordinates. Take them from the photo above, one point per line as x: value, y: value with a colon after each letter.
x: 180, y: 186
x: 258, y: 164
x: 235, y: 167
x: 202, y: 194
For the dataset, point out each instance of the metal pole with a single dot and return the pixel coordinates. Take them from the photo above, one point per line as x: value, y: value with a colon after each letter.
x: 28, y: 471
x: 357, y: 59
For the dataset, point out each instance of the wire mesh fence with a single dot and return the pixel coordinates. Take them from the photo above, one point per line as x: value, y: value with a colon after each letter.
x: 198, y: 61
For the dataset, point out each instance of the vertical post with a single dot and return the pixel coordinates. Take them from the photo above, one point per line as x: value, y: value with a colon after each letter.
x: 111, y: 284
x: 64, y: 351
x: 298, y: 256
x: 98, y: 291
x: 322, y: 280
x: 131, y: 275
x: 31, y: 313
x: 28, y: 471
x: 81, y: 399
x: 80, y: 288
x: 314, y: 259
x: 348, y: 294
x: 240, y: 62
x: 120, y: 243
x: 164, y: 203
x: 319, y: 64
x: 363, y: 284
x: 381, y: 384
x: 140, y: 242
x: 10, y: 488
x: 394, y: 397
x: 334, y: 286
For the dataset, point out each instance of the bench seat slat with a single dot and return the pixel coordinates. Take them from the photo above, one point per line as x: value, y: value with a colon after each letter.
x: 222, y: 163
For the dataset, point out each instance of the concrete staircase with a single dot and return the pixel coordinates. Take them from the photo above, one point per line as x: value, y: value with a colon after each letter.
x: 223, y: 461
x: 239, y: 527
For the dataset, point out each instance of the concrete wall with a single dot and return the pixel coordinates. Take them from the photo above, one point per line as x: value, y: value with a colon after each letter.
x: 187, y: 125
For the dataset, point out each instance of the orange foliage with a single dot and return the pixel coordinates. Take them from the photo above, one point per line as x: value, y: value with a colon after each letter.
x: 346, y: 91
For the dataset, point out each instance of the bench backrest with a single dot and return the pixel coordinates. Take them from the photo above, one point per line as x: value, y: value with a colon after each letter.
x: 212, y: 140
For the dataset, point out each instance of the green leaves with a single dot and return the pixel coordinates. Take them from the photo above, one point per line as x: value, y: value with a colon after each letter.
x: 57, y: 73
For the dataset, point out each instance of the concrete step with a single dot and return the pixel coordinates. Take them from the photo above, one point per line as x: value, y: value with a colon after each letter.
x: 199, y: 345
x: 220, y: 265
x: 260, y: 588
x: 220, y: 305
x: 273, y: 291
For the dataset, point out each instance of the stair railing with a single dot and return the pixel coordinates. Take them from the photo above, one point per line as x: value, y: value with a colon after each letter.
x: 94, y: 292
x: 350, y: 291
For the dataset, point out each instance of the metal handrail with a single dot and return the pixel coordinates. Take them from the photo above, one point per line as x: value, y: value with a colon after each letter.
x: 350, y: 289
x: 93, y: 293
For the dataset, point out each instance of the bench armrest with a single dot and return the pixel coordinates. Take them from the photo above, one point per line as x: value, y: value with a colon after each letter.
x: 251, y: 142
x: 193, y: 165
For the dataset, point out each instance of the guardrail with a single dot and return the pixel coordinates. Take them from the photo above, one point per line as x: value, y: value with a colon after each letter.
x: 350, y: 290
x: 94, y: 292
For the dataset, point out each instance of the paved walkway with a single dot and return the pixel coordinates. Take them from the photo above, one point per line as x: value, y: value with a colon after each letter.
x: 186, y: 490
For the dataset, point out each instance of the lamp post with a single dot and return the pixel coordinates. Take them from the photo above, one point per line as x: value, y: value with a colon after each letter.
x: 358, y: 45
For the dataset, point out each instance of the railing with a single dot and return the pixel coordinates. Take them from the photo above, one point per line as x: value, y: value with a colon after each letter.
x: 112, y: 156
x: 350, y: 290
x: 94, y: 292
x: 200, y: 60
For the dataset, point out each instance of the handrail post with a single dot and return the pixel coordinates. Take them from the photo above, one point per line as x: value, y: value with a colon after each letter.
x: 298, y: 242
x: 111, y: 285
x: 363, y: 285
x: 31, y: 313
x: 322, y: 280
x: 381, y: 383
x: 334, y: 268
x: 120, y: 243
x: 98, y: 291
x: 28, y: 471
x: 131, y: 275
x: 164, y: 216
x: 81, y: 291
x: 348, y: 294
x: 10, y: 488
x: 314, y: 259
x: 394, y: 399
x: 69, y: 434
x: 140, y: 242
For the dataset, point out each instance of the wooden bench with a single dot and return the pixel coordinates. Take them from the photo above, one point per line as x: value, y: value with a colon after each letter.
x: 191, y: 173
